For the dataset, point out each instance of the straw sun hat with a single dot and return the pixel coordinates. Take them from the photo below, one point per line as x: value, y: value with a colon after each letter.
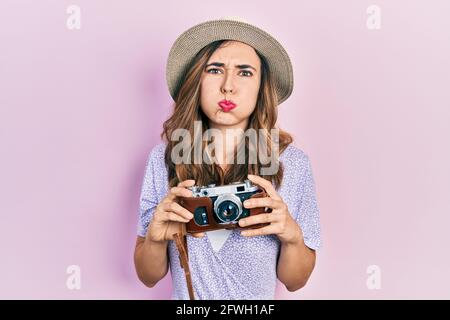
x: 190, y: 42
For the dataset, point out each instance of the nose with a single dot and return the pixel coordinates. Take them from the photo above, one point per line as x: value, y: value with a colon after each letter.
x: 226, y: 91
x: 228, y: 86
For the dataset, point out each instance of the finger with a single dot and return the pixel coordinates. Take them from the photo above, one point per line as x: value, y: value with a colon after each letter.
x: 266, y: 185
x: 270, y: 229
x: 186, y: 183
x: 172, y: 216
x: 198, y: 234
x: 183, y: 184
x: 178, y: 209
x: 259, y: 218
x: 180, y: 192
x: 263, y: 202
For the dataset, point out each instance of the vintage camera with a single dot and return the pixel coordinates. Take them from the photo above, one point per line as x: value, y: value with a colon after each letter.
x: 221, y: 207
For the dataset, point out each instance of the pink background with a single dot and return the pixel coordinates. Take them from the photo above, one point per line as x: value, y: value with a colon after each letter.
x: 81, y: 109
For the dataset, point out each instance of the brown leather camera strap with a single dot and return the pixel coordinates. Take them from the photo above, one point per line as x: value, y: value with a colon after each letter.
x: 180, y: 240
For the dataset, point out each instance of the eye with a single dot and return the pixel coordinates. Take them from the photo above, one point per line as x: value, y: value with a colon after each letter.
x: 213, y: 69
x: 249, y: 73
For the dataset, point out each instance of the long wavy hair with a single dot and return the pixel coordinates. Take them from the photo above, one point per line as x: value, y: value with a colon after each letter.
x: 187, y: 110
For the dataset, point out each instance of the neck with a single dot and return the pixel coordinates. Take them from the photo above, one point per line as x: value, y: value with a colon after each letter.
x: 231, y: 136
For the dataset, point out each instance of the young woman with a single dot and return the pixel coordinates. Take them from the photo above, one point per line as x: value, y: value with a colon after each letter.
x: 228, y: 74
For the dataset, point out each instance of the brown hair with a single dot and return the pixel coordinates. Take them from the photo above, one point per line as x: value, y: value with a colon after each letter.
x: 187, y: 110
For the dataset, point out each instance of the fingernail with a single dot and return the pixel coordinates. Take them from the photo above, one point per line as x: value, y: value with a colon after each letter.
x: 244, y: 233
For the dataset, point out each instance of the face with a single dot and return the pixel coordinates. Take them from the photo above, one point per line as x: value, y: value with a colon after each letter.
x: 233, y: 73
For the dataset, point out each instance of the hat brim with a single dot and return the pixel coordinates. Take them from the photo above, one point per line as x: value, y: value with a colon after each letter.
x: 190, y: 42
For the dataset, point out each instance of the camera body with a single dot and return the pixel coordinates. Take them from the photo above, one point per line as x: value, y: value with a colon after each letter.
x: 220, y: 207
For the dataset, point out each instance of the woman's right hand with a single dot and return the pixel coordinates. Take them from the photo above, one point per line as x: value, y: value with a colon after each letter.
x: 169, y: 214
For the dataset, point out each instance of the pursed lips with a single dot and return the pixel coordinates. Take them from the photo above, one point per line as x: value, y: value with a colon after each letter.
x: 227, y: 105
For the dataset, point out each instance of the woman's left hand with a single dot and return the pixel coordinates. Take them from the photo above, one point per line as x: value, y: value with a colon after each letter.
x: 281, y: 222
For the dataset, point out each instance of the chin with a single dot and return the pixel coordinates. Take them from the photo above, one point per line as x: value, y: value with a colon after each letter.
x: 224, y: 118
x: 220, y: 117
x: 224, y: 122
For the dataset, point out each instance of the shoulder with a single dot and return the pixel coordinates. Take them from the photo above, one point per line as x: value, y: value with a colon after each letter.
x: 157, y: 152
x: 155, y: 159
x: 293, y: 156
x: 156, y: 170
x: 296, y: 165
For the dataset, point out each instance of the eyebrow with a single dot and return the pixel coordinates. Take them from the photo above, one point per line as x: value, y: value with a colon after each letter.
x: 220, y: 64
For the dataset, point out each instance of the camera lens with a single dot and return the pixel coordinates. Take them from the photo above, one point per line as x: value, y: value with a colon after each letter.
x: 227, y: 211
x: 227, y: 208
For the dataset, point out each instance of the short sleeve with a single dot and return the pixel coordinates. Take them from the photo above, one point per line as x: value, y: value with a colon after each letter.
x: 148, y: 200
x: 307, y: 209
